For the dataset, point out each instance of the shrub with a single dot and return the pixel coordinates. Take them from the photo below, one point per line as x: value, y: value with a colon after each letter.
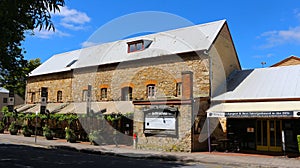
x: 13, y: 128
x: 70, y: 135
x: 2, y: 127
x: 26, y: 131
x: 48, y: 133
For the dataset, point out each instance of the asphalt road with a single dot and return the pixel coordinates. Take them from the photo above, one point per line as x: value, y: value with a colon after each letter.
x: 24, y: 156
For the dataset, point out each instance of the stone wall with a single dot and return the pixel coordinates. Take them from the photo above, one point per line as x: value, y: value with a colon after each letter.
x: 181, y: 143
x: 163, y: 72
x: 54, y: 83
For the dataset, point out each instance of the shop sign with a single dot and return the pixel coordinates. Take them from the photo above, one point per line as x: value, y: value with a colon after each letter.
x: 160, y: 121
x: 296, y: 113
x: 254, y: 114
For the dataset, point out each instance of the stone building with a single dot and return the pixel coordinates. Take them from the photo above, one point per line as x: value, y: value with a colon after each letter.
x: 166, y: 79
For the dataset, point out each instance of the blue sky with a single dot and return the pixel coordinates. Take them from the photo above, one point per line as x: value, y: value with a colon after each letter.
x: 262, y: 31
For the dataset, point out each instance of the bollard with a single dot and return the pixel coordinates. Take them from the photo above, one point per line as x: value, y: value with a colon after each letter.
x: 134, y: 137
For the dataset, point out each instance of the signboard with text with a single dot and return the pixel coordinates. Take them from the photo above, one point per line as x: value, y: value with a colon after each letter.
x: 254, y: 114
x: 160, y: 122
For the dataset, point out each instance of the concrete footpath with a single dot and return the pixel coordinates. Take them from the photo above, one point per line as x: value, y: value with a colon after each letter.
x: 219, y: 158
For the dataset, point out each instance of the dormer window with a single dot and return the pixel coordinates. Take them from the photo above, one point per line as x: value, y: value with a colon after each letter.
x: 138, y: 45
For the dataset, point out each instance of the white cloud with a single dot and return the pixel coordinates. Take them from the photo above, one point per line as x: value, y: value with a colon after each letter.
x: 67, y: 18
x: 45, y: 34
x: 88, y: 44
x: 72, y: 26
x: 279, y: 37
x: 269, y: 55
x: 72, y: 19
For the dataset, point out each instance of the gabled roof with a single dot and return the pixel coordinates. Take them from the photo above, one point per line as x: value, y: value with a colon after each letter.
x: 193, y: 38
x: 275, y: 83
x: 3, y: 90
x: 285, y: 61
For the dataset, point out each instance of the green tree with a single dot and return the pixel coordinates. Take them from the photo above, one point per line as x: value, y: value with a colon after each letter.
x: 16, y: 18
x: 20, y: 77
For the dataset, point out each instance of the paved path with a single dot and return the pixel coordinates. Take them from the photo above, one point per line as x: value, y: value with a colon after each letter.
x: 219, y: 158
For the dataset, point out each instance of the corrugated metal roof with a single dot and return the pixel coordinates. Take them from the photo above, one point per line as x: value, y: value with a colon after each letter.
x: 194, y: 38
x: 3, y: 90
x: 264, y: 83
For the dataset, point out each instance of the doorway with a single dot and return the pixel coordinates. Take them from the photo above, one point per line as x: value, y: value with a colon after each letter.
x: 268, y: 137
x: 126, y: 94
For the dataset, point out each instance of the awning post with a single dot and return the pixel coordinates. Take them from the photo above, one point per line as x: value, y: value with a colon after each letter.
x: 208, y: 134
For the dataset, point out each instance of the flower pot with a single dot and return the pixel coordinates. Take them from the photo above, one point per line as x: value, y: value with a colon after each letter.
x: 49, y: 137
x: 71, y: 139
x: 13, y: 132
x: 27, y: 134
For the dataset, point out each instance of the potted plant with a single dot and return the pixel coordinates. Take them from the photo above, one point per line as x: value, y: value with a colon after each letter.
x: 48, y: 133
x: 93, y: 137
x: 13, y: 128
x: 70, y: 135
x: 2, y: 127
x: 26, y: 131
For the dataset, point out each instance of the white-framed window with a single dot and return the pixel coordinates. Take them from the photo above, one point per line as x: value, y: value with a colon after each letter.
x: 103, y: 93
x: 151, y: 91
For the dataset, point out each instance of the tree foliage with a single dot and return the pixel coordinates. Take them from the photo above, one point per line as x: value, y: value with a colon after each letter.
x: 16, y: 18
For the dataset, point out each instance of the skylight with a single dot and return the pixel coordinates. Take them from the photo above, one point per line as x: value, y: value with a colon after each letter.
x: 71, y: 63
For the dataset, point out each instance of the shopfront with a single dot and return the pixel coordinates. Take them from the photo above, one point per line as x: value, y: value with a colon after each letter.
x: 264, y: 134
x: 260, y: 130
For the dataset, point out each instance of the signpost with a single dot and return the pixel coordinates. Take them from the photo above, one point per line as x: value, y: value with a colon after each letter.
x: 283, y: 142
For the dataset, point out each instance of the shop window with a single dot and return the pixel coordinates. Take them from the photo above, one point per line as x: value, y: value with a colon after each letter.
x: 178, y: 89
x: 103, y: 93
x: 59, y: 96
x: 151, y: 91
x: 126, y: 94
x: 138, y: 45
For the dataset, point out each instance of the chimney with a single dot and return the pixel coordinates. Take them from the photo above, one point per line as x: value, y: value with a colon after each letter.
x: 187, y: 85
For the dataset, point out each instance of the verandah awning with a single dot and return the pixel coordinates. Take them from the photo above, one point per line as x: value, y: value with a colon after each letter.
x: 255, y: 109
